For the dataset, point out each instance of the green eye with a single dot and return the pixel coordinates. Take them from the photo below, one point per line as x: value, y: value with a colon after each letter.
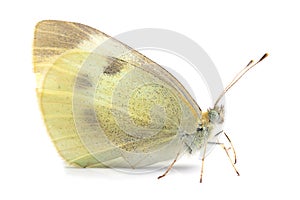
x: 213, y: 116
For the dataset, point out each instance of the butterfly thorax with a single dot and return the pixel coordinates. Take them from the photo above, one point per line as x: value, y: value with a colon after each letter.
x: 208, y: 127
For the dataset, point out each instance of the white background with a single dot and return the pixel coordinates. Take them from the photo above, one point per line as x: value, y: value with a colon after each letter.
x: 262, y: 109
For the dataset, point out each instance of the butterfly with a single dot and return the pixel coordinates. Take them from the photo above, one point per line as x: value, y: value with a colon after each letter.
x: 105, y: 104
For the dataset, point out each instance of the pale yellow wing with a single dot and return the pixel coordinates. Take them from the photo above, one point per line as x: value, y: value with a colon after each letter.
x: 105, y: 104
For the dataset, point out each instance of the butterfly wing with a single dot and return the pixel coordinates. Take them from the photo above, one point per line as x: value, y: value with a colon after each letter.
x: 105, y: 104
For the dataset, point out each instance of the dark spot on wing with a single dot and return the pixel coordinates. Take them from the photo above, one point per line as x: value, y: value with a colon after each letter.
x: 83, y: 81
x: 115, y: 66
x: 89, y: 117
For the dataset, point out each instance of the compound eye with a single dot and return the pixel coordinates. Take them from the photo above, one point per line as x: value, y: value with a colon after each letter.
x: 213, y: 116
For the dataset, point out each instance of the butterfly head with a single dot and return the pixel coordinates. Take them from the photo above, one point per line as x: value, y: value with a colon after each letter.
x: 216, y: 114
x: 210, y: 118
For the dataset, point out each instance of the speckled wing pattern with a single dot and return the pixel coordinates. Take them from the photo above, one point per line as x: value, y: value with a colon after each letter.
x: 105, y: 104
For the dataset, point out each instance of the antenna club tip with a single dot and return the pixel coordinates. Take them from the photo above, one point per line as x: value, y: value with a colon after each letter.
x: 263, y: 57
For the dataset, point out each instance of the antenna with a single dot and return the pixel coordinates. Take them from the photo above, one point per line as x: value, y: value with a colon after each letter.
x: 240, y: 75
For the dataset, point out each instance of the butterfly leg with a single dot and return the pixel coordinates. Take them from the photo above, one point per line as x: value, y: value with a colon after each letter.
x: 233, y: 162
x: 231, y: 147
x: 202, y: 165
x: 170, y: 167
